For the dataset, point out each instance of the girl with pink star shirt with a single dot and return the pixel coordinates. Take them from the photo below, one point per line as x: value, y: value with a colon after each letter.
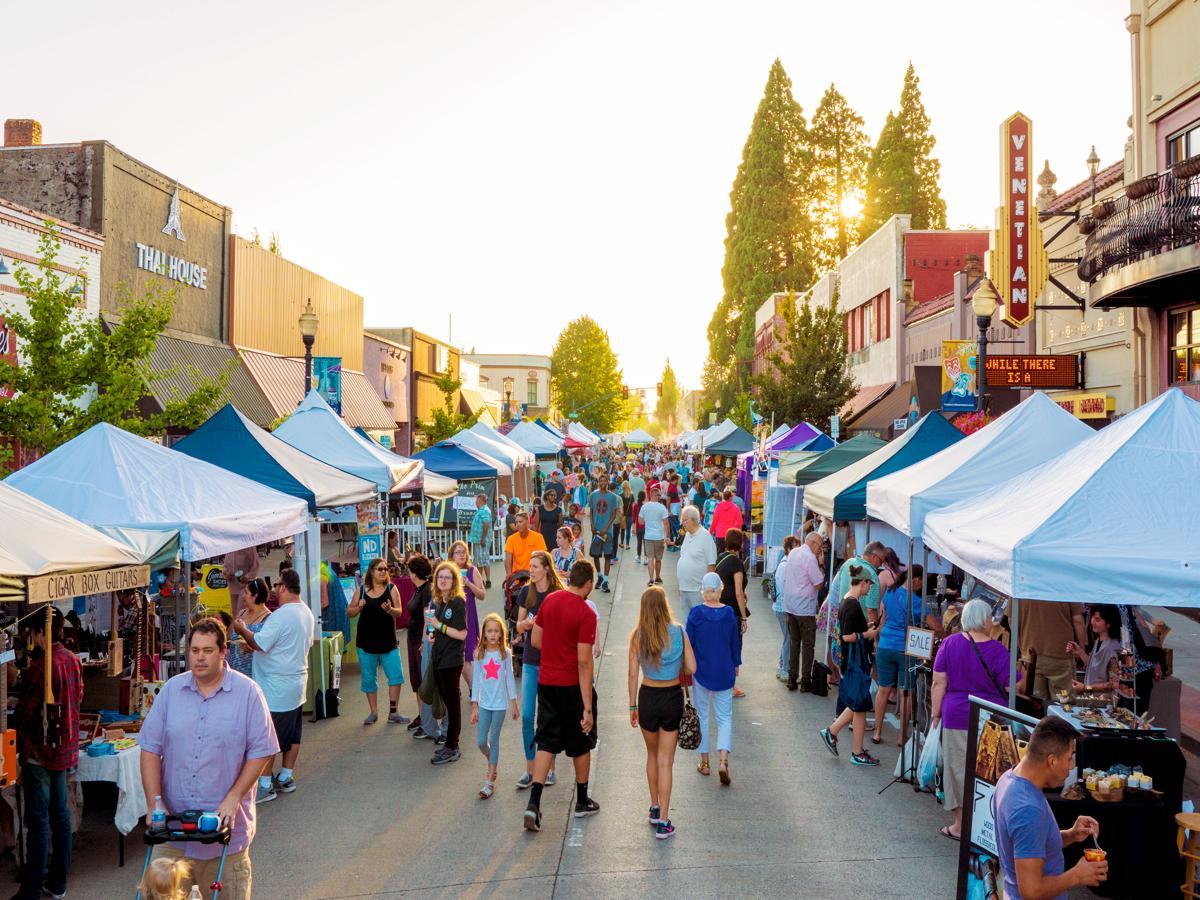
x: 493, y: 693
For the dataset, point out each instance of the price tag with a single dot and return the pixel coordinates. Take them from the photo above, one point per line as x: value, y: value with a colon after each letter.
x: 920, y: 643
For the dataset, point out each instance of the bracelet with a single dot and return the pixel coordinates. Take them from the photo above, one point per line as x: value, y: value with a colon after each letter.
x: 632, y: 708
x: 443, y: 628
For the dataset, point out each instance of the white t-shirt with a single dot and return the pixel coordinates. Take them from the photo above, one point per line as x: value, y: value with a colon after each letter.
x: 281, y: 666
x: 699, y: 551
x: 654, y: 514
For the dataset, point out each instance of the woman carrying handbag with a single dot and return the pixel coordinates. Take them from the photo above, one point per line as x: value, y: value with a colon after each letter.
x: 658, y: 648
x: 854, y: 689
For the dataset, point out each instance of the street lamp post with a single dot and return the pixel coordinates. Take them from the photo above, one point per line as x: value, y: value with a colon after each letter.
x: 1093, y: 164
x: 984, y: 303
x: 308, y: 323
x: 508, y: 390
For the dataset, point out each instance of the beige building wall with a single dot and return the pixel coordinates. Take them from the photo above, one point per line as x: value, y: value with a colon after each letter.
x: 1165, y: 49
x: 268, y: 294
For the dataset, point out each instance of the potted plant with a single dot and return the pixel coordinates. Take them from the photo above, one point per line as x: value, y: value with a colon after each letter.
x: 1186, y: 168
x: 1086, y: 225
x: 1143, y: 187
x: 1104, y: 209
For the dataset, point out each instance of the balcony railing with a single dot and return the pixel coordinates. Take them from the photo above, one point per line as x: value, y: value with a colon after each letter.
x: 1157, y: 213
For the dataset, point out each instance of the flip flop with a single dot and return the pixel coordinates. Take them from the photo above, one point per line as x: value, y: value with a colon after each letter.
x: 944, y: 831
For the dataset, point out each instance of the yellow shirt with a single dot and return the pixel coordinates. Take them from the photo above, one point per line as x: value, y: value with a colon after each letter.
x: 522, y: 548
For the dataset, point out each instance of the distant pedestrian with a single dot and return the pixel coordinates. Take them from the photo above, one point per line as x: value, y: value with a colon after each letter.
x: 493, y: 694
x: 604, y: 509
x: 639, y: 528
x: 900, y: 608
x: 480, y: 537
x: 653, y: 516
x: 564, y: 552
x: 726, y: 515
x: 779, y: 577
x: 420, y: 571
x: 854, y: 693
x: 447, y: 617
x: 254, y: 616
x: 801, y: 586
x: 378, y: 608
x: 660, y: 649
x: 712, y: 628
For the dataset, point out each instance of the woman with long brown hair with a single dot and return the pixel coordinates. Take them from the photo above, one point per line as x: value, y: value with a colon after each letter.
x: 543, y: 581
x: 446, y: 618
x: 660, y: 649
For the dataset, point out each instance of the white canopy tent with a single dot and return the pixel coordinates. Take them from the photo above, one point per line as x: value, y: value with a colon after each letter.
x: 1113, y: 519
x: 1030, y: 433
x: 536, y: 439
x: 639, y: 436
x: 582, y: 433
x: 526, y: 457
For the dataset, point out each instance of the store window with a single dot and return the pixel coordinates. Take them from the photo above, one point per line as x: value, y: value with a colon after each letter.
x: 1185, y: 345
x: 531, y: 392
x: 1184, y: 144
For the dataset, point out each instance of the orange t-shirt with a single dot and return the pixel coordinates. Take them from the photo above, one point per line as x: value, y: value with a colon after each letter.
x: 522, y: 548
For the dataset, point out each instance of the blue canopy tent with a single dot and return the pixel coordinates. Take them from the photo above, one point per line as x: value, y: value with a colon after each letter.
x: 236, y: 444
x: 462, y: 463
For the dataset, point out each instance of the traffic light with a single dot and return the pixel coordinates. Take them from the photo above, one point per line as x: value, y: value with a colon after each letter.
x: 624, y: 392
x: 660, y: 389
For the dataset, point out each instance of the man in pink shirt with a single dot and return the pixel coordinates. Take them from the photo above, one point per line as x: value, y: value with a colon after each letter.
x: 801, y: 582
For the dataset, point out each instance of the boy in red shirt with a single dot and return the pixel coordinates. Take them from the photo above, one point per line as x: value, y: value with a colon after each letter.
x: 564, y: 631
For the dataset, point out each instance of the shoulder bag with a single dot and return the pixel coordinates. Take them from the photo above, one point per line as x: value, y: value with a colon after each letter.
x: 689, y: 724
x: 995, y: 681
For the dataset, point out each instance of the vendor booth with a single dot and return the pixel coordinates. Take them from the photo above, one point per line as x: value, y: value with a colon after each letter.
x: 639, y: 437
x: 836, y: 459
x: 519, y: 460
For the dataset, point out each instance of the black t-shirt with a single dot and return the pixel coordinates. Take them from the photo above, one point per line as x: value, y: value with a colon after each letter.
x: 531, y: 599
x: 851, y: 620
x: 548, y: 523
x: 416, y: 612
x: 559, y: 490
x: 448, y: 652
x: 377, y: 628
x: 727, y: 566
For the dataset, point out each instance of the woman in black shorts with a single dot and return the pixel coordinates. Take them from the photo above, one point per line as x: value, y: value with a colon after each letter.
x: 660, y: 648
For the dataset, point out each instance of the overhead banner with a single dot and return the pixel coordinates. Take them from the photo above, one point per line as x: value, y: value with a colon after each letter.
x: 996, y: 741
x: 66, y: 585
x: 327, y: 379
x: 958, y: 376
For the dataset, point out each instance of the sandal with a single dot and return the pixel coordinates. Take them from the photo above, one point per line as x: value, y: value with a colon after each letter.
x: 487, y: 790
x: 946, y: 832
x: 876, y: 740
x: 738, y: 693
x: 703, y: 767
x: 723, y: 772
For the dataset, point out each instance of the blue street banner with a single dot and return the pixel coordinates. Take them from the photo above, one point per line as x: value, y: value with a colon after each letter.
x: 327, y: 378
x: 370, y: 546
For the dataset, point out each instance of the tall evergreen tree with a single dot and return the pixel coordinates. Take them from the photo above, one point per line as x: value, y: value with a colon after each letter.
x: 811, y: 378
x: 585, y: 375
x: 902, y: 176
x: 666, y: 409
x: 768, y: 243
x: 840, y: 150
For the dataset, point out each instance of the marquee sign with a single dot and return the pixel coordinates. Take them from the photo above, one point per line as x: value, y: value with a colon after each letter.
x: 1044, y: 371
x: 1017, y: 260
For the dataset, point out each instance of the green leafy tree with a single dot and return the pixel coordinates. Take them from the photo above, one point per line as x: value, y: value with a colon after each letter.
x: 666, y: 409
x: 74, y: 373
x: 716, y: 388
x: 741, y: 413
x: 808, y: 379
x: 902, y: 176
x: 446, y: 422
x: 769, y: 232
x: 586, y: 377
x: 840, y: 149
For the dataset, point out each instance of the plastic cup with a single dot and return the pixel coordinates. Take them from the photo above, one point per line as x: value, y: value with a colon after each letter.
x: 1094, y: 854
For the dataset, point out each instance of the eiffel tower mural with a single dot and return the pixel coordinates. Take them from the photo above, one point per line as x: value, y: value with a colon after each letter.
x: 174, y: 225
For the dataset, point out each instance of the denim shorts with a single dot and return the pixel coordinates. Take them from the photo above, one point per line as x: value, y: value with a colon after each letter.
x: 890, y: 664
x: 392, y: 669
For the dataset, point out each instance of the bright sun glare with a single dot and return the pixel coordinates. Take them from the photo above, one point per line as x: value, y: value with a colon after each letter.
x: 851, y: 206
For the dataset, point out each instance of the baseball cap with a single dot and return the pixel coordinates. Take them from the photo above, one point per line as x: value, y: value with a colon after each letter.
x: 711, y: 582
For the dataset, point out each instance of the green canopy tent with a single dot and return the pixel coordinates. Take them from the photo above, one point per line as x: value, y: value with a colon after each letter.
x: 859, y: 446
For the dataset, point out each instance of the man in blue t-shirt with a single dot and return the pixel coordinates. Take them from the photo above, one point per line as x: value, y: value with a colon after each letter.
x: 604, y: 508
x: 1029, y: 841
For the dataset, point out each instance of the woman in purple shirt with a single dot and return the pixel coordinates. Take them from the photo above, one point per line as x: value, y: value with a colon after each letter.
x: 967, y: 663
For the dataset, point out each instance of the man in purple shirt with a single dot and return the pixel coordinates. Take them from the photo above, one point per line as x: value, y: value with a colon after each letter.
x: 204, y: 743
x: 802, y: 581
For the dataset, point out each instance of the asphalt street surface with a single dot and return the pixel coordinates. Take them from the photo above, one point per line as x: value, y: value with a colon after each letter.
x: 372, y: 818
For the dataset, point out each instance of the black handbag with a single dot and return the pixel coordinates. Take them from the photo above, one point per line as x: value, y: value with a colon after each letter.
x: 819, y: 679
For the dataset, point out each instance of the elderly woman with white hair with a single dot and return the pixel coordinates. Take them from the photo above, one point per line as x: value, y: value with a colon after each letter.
x: 969, y: 662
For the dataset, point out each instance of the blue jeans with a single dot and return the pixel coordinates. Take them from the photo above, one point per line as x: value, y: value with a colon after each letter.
x: 47, y: 821
x: 787, y: 639
x: 529, y: 677
x: 722, y: 703
x: 487, y: 733
x: 628, y: 530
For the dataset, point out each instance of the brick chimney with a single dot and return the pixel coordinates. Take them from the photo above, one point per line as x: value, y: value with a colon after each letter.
x: 22, y: 132
x: 974, y: 267
x: 910, y: 301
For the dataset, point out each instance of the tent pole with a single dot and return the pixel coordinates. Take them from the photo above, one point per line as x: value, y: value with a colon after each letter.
x: 48, y: 653
x: 186, y: 588
x: 829, y: 598
x: 867, y: 540
x: 1013, y: 644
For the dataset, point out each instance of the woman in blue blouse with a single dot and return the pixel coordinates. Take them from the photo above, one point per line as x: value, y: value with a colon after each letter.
x: 715, y: 634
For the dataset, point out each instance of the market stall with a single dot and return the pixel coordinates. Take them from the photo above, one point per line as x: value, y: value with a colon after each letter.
x: 519, y: 460
x: 836, y: 459
x: 639, y: 437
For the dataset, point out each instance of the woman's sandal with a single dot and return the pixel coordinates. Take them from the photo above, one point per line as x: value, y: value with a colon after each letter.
x: 723, y: 772
x: 703, y: 768
x: 876, y: 740
x: 945, y: 831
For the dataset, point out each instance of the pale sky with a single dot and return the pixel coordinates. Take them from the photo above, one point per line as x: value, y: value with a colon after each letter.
x: 520, y: 163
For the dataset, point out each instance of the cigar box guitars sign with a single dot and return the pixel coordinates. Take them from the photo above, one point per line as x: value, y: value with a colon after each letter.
x: 996, y: 741
x: 66, y: 585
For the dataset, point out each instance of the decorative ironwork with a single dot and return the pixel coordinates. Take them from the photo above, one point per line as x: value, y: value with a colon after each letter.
x: 1165, y: 218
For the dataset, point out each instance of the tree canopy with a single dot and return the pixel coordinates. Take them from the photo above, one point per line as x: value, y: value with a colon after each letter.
x: 666, y: 410
x: 809, y: 378
x: 840, y: 149
x: 75, y: 372
x: 902, y: 175
x: 586, y: 377
x: 446, y: 422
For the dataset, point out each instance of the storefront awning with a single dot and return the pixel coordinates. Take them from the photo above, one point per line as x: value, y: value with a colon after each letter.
x: 878, y: 418
x: 860, y: 402
x: 177, y: 360
x: 281, y: 379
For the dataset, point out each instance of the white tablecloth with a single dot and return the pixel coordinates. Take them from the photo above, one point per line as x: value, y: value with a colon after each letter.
x: 124, y: 770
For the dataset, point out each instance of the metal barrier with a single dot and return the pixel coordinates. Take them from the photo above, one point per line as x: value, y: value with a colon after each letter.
x: 435, y: 542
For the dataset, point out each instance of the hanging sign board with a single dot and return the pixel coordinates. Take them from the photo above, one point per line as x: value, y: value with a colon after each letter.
x: 958, y: 375
x: 65, y: 585
x: 920, y: 643
x: 1040, y: 371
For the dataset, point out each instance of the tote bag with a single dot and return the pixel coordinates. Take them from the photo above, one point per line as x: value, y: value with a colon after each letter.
x: 854, y: 690
x: 689, y: 724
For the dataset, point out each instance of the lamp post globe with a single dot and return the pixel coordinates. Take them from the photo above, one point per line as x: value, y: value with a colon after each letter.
x: 308, y: 324
x: 1093, y: 164
x: 983, y: 303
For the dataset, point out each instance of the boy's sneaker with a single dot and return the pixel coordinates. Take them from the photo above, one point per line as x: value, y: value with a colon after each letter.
x: 533, y: 818
x: 524, y: 782
x: 655, y: 815
x: 446, y: 755
x: 604, y: 586
x: 419, y: 734
x: 665, y: 830
x: 588, y: 808
x: 550, y: 778
x: 781, y: 674
x: 50, y: 892
x: 285, y: 787
x: 830, y: 741
x: 264, y: 794
x: 863, y: 759
x: 440, y: 740
x: 414, y: 725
